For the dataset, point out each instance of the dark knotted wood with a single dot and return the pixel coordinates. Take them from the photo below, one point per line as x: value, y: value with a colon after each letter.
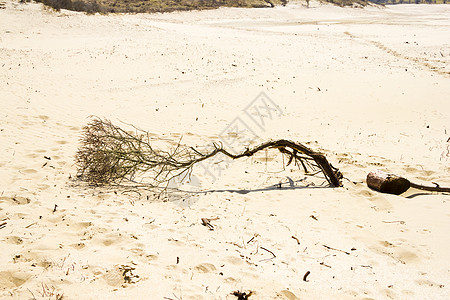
x: 332, y: 175
x: 387, y: 183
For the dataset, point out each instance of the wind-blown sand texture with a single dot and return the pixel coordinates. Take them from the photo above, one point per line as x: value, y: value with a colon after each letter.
x: 368, y: 87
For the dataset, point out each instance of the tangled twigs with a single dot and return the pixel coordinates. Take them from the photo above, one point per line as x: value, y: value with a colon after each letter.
x: 109, y: 154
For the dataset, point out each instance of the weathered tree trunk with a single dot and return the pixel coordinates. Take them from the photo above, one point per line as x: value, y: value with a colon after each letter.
x: 387, y: 183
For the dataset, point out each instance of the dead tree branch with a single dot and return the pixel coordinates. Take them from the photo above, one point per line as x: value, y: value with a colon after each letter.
x: 436, y: 188
x: 110, y: 154
x: 393, y: 184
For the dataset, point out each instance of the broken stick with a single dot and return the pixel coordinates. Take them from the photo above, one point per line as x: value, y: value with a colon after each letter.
x: 207, y: 222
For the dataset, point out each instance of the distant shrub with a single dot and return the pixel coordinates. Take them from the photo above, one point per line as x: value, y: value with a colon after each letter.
x: 90, y: 7
x: 349, y: 2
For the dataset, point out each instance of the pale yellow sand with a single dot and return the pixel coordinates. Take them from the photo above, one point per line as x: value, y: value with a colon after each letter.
x: 371, y: 86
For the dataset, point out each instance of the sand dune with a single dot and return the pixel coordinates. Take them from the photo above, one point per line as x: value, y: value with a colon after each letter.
x: 368, y: 87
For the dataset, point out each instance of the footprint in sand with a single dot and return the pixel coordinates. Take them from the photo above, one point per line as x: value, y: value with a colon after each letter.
x: 43, y: 186
x: 139, y: 251
x: 28, y: 171
x: 113, y: 277
x: 410, y: 170
x: 61, y: 163
x: 406, y: 256
x: 12, y: 279
x: 234, y: 260
x: 119, y: 275
x: 428, y: 283
x: 205, y: 268
x: 78, y: 246
x: 386, y: 244
x: 14, y: 240
x: 285, y: 294
x: 389, y: 293
x: 111, y: 241
x: 398, y: 253
x: 379, y: 201
x: 33, y: 155
x: 15, y: 200
x: 81, y: 225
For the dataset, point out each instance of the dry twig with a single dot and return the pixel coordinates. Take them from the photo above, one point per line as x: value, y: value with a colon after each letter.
x: 306, y: 275
x: 28, y: 226
x: 296, y: 239
x: 273, y: 254
x: 331, y: 248
x: 207, y: 222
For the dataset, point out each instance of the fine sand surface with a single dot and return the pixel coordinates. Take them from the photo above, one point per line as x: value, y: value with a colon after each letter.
x: 368, y: 87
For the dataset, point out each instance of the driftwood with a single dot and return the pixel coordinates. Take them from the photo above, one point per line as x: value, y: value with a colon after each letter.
x: 109, y: 154
x: 387, y: 183
x: 393, y: 184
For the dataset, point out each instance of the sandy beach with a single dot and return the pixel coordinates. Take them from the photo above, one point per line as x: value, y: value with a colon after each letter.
x: 368, y: 87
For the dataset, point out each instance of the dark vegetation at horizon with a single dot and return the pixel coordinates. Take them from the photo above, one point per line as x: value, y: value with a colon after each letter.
x: 153, y: 6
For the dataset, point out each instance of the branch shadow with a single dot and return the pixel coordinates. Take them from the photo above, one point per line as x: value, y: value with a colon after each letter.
x: 290, y: 185
x: 417, y: 194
